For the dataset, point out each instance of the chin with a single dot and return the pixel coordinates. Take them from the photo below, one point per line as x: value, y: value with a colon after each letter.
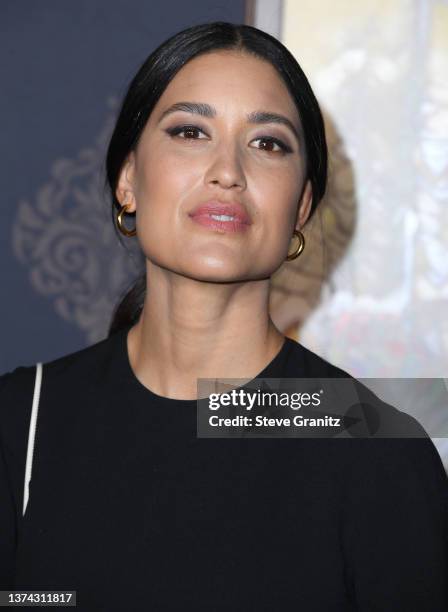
x: 214, y: 273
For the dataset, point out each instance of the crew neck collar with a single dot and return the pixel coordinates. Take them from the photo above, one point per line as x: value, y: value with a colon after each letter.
x: 274, y: 369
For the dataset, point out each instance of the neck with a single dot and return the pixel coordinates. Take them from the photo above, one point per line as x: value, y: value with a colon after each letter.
x: 190, y: 329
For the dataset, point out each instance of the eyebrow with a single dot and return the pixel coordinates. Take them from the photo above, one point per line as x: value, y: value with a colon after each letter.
x: 205, y: 110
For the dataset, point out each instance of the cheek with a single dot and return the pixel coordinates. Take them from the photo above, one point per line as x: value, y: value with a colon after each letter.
x: 165, y: 183
x: 277, y: 194
x: 161, y: 179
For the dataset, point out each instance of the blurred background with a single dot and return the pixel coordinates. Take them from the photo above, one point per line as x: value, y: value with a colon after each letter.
x: 370, y: 291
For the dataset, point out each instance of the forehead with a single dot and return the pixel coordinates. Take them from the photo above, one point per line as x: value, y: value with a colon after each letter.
x: 230, y: 80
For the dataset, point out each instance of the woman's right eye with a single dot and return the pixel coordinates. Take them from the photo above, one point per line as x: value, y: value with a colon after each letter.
x: 187, y: 130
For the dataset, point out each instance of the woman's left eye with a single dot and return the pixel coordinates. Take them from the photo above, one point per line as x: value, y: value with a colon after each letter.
x: 271, y: 141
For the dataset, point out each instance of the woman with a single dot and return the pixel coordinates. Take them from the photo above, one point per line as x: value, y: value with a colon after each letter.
x: 219, y: 150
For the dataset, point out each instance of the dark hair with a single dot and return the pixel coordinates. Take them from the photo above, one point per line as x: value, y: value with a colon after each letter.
x: 152, y: 79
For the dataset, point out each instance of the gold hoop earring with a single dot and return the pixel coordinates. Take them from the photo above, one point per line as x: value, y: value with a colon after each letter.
x: 120, y: 223
x: 300, y: 246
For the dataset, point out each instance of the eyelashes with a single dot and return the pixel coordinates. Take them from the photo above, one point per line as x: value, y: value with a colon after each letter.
x: 175, y: 131
x: 270, y: 140
x: 275, y: 141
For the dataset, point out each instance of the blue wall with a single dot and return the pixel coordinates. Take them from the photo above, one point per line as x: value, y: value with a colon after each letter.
x: 65, y: 66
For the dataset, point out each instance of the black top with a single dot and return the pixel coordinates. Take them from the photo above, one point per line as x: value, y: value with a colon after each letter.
x: 132, y: 510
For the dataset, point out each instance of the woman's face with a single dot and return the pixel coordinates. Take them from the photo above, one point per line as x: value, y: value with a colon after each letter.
x: 187, y: 158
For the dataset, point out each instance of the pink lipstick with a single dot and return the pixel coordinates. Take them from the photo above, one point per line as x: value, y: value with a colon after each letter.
x: 229, y: 217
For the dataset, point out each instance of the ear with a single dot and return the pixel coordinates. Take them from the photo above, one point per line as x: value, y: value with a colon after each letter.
x: 125, y: 185
x: 305, y: 204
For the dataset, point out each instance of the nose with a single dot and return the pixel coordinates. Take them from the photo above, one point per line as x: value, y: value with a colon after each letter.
x: 225, y: 167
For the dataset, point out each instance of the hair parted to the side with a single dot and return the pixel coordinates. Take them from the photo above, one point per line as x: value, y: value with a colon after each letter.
x: 153, y: 77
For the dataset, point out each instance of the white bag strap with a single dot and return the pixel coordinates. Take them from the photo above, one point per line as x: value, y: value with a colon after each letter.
x: 32, y: 434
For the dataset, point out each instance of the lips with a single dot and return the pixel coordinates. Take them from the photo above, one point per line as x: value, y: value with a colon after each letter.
x: 232, y: 209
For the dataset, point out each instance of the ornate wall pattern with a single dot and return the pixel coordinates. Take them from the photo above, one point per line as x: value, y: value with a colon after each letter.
x: 65, y: 237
